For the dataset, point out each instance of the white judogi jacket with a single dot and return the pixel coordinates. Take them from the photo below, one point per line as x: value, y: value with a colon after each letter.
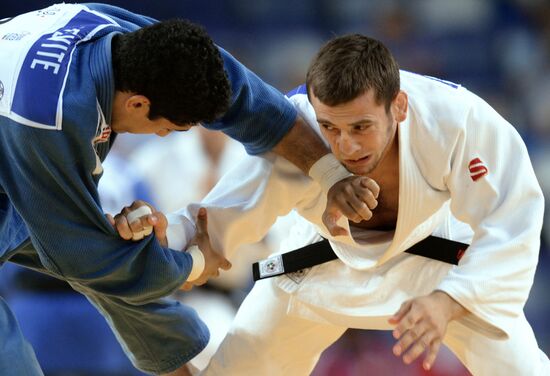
x: 456, y: 153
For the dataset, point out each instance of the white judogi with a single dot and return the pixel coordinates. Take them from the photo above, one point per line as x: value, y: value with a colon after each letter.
x: 464, y: 174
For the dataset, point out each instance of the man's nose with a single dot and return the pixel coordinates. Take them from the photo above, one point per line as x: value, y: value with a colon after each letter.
x: 164, y: 132
x: 347, y: 145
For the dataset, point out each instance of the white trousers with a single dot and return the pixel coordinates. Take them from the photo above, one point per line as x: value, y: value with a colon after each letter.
x: 266, y: 340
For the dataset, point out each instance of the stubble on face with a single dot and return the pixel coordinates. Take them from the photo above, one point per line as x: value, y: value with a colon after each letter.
x: 377, y: 157
x: 360, y: 132
x: 390, y: 137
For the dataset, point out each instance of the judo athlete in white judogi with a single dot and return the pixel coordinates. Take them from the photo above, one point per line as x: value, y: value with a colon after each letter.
x: 436, y: 160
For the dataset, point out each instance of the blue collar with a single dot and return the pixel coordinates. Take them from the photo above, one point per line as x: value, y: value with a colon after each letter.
x: 101, y: 67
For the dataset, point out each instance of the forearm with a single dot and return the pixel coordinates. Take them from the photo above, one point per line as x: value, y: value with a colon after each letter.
x: 301, y: 146
x: 241, y: 211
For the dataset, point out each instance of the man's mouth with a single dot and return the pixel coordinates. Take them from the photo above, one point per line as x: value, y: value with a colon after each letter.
x: 353, y: 162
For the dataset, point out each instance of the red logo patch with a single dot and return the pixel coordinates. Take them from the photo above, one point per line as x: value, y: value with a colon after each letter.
x: 477, y: 169
x: 103, y: 136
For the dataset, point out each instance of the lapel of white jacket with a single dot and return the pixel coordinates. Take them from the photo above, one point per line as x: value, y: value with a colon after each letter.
x: 420, y: 206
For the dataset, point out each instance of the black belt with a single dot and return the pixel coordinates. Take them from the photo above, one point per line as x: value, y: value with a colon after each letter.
x: 440, y: 249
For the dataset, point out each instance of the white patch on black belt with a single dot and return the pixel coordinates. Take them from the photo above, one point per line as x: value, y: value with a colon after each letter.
x: 271, y: 266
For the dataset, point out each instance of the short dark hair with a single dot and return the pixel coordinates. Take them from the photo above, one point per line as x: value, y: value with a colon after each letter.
x: 348, y: 66
x: 177, y: 66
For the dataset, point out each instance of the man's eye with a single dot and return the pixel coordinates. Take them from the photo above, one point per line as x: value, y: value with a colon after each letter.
x: 361, y: 127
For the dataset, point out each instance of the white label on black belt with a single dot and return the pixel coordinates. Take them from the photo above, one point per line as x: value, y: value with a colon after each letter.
x: 271, y: 266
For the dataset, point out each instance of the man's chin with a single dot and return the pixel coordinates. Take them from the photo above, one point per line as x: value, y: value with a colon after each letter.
x: 359, y: 170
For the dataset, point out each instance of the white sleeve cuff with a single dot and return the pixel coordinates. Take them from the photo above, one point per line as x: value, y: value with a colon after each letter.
x: 327, y: 171
x: 180, y: 231
x: 198, y: 263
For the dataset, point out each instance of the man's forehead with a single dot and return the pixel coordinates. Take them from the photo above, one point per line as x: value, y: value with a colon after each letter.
x: 362, y: 109
x: 366, y: 98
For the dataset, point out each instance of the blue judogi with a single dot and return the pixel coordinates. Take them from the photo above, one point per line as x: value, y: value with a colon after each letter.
x: 56, y: 92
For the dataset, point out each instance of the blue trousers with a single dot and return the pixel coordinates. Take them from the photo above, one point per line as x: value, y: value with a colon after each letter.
x: 17, y: 357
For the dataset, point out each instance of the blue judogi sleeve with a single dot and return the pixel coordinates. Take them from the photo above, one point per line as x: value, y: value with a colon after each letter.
x: 259, y: 115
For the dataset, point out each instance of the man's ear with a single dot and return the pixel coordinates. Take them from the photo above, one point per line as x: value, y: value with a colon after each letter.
x: 400, y: 106
x: 137, y: 104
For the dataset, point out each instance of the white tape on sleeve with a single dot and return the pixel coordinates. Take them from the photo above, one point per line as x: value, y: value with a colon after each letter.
x: 198, y: 263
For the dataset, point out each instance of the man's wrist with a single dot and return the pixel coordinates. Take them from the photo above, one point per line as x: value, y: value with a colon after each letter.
x: 455, y: 309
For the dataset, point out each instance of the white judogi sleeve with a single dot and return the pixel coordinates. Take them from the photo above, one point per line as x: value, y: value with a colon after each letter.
x: 494, y: 189
x: 246, y: 202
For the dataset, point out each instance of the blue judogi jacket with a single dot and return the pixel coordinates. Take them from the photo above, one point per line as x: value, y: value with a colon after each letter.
x: 54, y: 133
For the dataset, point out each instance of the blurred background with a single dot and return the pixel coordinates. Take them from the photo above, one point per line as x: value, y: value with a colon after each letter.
x: 498, y: 49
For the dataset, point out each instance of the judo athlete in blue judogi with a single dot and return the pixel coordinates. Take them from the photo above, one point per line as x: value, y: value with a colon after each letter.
x: 72, y: 77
